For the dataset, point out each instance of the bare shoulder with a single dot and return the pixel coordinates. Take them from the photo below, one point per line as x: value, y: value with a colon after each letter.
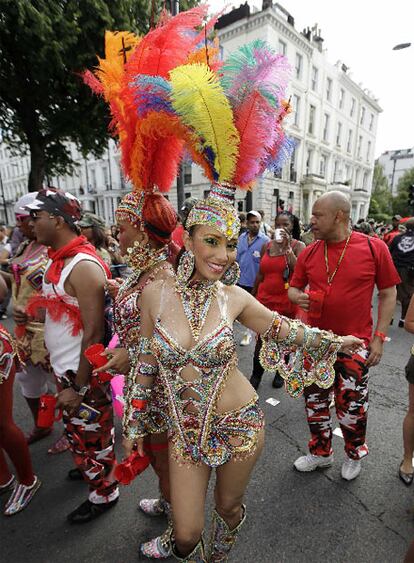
x: 237, y: 298
x: 87, y: 271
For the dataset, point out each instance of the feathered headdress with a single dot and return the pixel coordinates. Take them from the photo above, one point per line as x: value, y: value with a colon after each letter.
x: 150, y: 144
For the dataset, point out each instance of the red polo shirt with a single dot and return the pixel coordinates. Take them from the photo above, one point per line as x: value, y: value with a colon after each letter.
x: 347, y: 303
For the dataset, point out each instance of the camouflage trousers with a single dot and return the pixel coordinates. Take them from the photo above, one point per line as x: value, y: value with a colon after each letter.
x: 350, y: 391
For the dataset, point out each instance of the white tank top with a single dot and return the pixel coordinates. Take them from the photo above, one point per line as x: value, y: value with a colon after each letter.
x: 64, y: 349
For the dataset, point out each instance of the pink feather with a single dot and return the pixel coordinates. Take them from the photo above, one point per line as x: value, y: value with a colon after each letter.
x: 90, y: 80
x: 252, y: 122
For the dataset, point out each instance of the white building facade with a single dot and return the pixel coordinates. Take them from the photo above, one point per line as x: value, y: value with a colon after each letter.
x: 334, y: 122
x: 395, y: 164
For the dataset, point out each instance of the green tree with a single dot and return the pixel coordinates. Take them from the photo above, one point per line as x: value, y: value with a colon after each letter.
x: 400, y: 203
x: 44, y: 46
x: 380, y: 207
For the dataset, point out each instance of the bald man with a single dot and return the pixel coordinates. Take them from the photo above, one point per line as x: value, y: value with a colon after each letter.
x: 340, y: 270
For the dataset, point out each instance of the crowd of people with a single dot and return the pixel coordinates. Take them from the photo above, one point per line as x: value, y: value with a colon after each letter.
x: 167, y: 323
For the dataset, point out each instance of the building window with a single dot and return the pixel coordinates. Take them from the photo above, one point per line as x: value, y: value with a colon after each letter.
x: 322, y: 165
x: 335, y: 171
x: 353, y: 102
x: 338, y: 134
x: 365, y: 181
x: 359, y: 146
x: 341, y: 98
x: 371, y: 122
x: 309, y: 162
x: 282, y: 47
x: 311, y: 124
x: 348, y: 173
x: 368, y: 150
x: 314, y: 79
x: 349, y: 141
x: 361, y: 121
x: 106, y: 177
x: 296, y: 109
x: 298, y: 65
x: 328, y: 89
x: 325, y: 126
x: 187, y: 174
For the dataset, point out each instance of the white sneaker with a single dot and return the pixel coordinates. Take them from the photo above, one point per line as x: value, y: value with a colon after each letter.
x: 311, y: 462
x: 351, y: 468
x: 245, y: 341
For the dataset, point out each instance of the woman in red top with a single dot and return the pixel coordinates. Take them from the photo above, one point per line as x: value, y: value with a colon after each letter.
x: 278, y: 259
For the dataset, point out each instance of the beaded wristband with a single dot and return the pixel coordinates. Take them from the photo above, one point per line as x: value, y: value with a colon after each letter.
x: 143, y: 368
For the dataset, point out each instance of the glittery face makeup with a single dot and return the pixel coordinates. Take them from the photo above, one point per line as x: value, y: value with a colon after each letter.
x: 213, y: 252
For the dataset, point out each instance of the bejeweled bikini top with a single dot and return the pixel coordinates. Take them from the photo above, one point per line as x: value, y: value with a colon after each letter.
x: 193, y: 402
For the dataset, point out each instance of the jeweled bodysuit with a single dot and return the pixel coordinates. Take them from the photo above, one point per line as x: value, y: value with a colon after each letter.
x: 127, y: 320
x: 197, y: 432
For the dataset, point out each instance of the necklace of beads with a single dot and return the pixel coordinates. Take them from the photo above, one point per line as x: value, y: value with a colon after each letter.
x: 196, y: 298
x: 132, y: 280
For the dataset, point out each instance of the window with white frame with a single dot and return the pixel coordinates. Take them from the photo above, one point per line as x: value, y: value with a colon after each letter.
x: 311, y: 124
x: 314, y: 79
x: 341, y: 98
x: 322, y: 165
x: 353, y: 103
x: 309, y: 160
x: 296, y: 109
x: 329, y: 89
x: 368, y: 150
x: 325, y: 126
x: 371, y: 122
x: 348, y: 173
x: 349, y: 141
x: 338, y: 134
x: 362, y: 118
x: 298, y: 65
x: 359, y: 146
x: 335, y: 171
x: 282, y: 47
x: 365, y: 181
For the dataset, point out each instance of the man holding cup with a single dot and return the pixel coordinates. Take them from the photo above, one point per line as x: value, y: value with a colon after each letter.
x: 340, y: 270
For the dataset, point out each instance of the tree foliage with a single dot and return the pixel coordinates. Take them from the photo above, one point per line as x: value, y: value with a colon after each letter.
x: 380, y: 207
x: 400, y: 202
x: 44, y: 46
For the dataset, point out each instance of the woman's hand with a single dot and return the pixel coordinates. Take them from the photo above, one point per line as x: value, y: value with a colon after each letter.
x: 351, y: 344
x: 112, y: 287
x: 131, y: 445
x: 19, y: 315
x: 118, y: 361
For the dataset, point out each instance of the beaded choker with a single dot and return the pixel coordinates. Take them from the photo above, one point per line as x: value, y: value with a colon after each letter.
x: 196, y: 298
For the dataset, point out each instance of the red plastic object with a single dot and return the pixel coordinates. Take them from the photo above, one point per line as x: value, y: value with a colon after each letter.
x: 93, y: 355
x: 46, y: 414
x: 126, y: 471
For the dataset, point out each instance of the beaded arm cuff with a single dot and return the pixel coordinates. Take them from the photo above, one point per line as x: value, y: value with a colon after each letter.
x: 135, y: 419
x: 304, y: 365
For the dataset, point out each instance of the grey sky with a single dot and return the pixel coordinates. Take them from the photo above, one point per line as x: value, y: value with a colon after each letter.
x: 362, y: 33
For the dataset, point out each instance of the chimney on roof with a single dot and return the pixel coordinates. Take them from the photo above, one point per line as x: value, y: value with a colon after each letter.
x: 267, y: 4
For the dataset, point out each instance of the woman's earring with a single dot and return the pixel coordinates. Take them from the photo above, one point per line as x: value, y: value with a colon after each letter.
x: 185, y: 267
x: 231, y: 275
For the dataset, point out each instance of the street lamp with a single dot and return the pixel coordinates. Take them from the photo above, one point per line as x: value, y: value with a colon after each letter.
x: 401, y: 46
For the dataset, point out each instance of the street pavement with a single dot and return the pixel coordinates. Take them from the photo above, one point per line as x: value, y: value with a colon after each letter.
x: 292, y: 517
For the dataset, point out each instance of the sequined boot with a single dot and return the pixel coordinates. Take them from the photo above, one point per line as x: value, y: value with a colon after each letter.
x: 159, y: 547
x: 154, y: 506
x: 196, y: 556
x: 222, y: 539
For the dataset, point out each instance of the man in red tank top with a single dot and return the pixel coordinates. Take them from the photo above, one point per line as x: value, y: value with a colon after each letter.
x: 341, y: 270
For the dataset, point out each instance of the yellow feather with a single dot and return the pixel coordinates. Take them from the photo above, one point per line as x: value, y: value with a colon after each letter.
x: 199, y: 100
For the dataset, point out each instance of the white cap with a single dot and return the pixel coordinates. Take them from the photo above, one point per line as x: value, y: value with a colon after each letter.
x: 255, y: 214
x: 21, y: 203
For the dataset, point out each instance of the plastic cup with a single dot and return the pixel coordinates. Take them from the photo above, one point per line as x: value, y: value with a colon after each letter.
x: 316, y: 299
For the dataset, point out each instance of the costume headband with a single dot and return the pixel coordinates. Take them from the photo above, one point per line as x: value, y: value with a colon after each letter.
x: 217, y: 211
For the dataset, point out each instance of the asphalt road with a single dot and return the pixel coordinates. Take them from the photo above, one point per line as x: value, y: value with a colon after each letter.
x: 292, y: 517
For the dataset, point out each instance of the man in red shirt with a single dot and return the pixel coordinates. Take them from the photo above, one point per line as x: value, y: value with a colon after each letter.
x: 389, y: 237
x: 341, y: 269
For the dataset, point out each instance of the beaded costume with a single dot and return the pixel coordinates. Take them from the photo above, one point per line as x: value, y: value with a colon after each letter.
x: 198, y: 433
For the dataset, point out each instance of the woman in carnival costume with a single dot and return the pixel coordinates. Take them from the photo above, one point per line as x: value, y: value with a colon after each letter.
x: 232, y: 127
x: 12, y: 440
x: 151, y: 152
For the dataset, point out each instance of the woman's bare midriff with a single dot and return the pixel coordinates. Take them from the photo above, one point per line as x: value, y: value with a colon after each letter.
x: 237, y: 391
